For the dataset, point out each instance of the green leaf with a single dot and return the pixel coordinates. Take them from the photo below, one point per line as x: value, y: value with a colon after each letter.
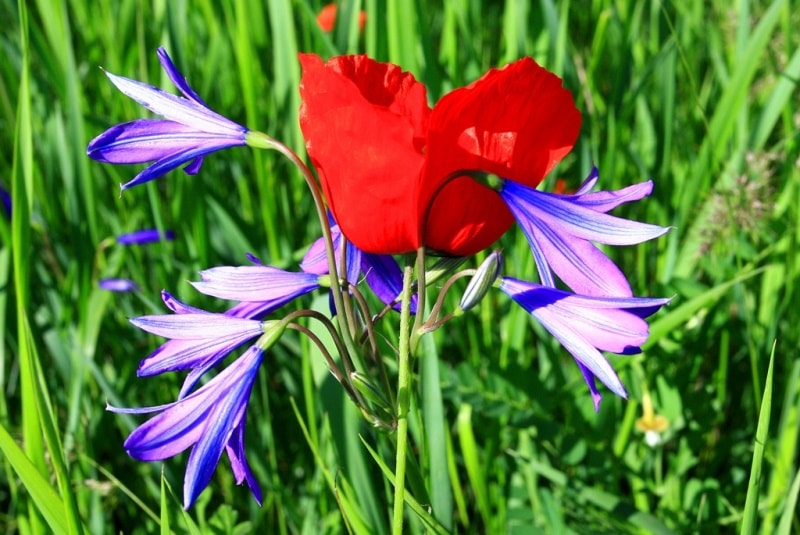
x: 750, y: 518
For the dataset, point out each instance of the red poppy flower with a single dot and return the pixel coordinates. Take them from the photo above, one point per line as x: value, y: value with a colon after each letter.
x: 326, y: 18
x: 387, y: 161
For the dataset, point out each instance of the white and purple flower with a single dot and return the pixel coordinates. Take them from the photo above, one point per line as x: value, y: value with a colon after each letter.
x: 189, y: 130
x: 561, y: 228
x: 587, y: 325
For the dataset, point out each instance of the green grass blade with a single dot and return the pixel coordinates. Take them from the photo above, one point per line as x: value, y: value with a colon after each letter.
x: 22, y: 201
x: 784, y: 90
x: 750, y: 518
x: 423, y: 514
x: 790, y: 508
x: 164, y: 507
x: 785, y: 451
x: 52, y: 438
x: 435, y: 428
x: 680, y: 315
x: 44, y: 497
x: 474, y: 464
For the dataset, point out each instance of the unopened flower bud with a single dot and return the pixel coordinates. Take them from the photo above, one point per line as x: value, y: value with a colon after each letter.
x: 482, y: 281
x: 369, y: 391
x: 273, y: 330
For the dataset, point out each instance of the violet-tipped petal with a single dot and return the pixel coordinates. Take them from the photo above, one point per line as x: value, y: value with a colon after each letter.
x: 255, y: 283
x: 585, y: 325
x: 561, y: 230
x: 385, y: 279
x: 189, y: 130
x: 208, y: 419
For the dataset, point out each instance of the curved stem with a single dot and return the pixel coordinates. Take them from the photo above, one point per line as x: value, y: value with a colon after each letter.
x: 258, y: 139
x: 437, y: 306
x: 337, y: 340
x: 403, y: 395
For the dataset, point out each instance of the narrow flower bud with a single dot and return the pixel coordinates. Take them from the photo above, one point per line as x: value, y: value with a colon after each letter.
x: 370, y: 391
x: 482, y: 281
x: 273, y: 330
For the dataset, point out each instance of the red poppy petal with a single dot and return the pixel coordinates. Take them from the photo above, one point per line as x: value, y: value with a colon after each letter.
x: 364, y: 125
x: 517, y: 123
x: 466, y: 217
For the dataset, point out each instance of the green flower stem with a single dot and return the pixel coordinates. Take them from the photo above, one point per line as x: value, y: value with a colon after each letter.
x: 260, y: 140
x: 403, y: 395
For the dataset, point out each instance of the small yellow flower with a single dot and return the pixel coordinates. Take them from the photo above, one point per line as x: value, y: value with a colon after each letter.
x: 651, y: 424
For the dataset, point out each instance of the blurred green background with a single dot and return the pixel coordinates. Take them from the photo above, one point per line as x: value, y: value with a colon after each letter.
x: 701, y: 97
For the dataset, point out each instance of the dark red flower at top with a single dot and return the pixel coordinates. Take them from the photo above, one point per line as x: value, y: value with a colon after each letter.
x: 387, y: 161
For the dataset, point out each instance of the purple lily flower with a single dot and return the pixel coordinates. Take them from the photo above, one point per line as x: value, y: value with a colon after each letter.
x: 189, y: 130
x: 118, y: 285
x: 561, y: 228
x: 209, y: 420
x: 382, y: 272
x: 586, y: 325
x: 199, y: 340
x: 143, y: 236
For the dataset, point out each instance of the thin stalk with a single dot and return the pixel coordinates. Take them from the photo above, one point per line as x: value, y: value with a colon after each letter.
x: 403, y: 395
x: 373, y: 343
x: 433, y: 319
x: 415, y: 334
x: 261, y: 140
x: 337, y: 340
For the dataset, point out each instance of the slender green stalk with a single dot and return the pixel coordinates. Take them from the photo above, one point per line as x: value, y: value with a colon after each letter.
x: 257, y: 139
x: 403, y: 395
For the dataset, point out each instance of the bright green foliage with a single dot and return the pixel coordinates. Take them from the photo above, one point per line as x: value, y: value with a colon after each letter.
x: 702, y: 97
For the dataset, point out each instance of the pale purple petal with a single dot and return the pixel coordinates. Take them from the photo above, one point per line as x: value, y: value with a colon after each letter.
x: 254, y: 283
x: 175, y: 108
x: 178, y: 355
x: 604, y: 201
x: 590, y: 182
x: 316, y: 259
x: 580, y: 264
x: 148, y: 140
x: 572, y: 219
x: 205, y: 419
x: 584, y: 325
x: 178, y: 306
x: 591, y: 383
x: 257, y: 309
x: 561, y: 230
x: 118, y: 285
x: 197, y: 326
x: 177, y: 159
x: 225, y: 416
